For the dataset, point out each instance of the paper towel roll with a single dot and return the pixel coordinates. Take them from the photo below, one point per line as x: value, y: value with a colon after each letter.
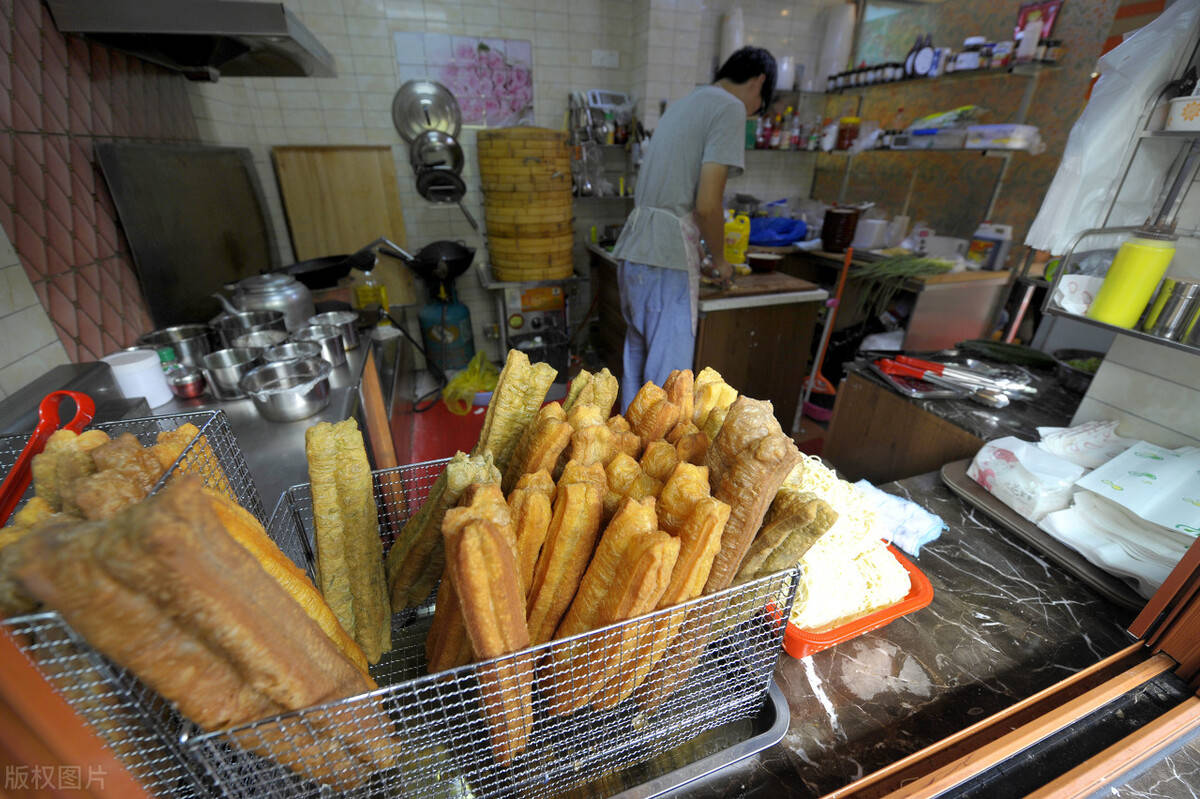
x: 733, y: 33
x: 837, y: 41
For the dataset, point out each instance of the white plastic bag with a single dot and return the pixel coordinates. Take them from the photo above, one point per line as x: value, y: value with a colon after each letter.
x: 1089, y: 445
x: 1130, y: 75
x: 1029, y: 480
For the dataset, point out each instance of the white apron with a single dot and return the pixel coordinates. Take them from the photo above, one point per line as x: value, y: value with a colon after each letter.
x: 690, y: 232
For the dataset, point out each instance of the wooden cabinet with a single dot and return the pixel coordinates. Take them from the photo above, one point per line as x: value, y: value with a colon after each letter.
x: 757, y: 334
x: 879, y: 435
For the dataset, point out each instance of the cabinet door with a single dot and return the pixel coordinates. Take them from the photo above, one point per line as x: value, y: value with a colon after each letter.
x: 877, y: 434
x: 762, y: 352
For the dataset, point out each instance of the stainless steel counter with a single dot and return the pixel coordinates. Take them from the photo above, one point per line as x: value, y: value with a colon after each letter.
x: 274, y: 451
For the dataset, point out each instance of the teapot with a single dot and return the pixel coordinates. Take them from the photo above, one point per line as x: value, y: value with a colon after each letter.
x: 272, y: 291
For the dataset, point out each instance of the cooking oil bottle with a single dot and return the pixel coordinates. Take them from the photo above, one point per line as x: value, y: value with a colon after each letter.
x: 371, y: 295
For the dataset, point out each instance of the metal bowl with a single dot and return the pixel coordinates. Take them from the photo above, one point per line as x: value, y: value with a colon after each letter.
x: 292, y: 351
x: 186, y: 382
x: 231, y: 325
x: 259, y: 340
x: 1074, y: 379
x: 190, y: 342
x: 345, y: 321
x: 291, y: 390
x: 328, y: 338
x: 224, y: 370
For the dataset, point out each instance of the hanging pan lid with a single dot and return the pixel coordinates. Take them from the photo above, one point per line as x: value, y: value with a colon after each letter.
x: 421, y: 105
x: 435, y: 149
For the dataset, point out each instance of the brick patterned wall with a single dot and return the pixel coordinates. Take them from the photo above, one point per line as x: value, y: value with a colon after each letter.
x: 59, y: 95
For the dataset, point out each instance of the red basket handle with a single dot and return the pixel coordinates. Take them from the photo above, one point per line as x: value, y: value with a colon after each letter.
x: 49, y: 420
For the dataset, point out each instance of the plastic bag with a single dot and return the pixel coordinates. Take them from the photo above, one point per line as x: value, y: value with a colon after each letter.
x: 1089, y: 445
x: 776, y: 231
x: 480, y: 375
x: 1131, y: 74
x: 1029, y: 480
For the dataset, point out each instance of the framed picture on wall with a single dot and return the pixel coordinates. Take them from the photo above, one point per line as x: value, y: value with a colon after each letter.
x: 1045, y: 11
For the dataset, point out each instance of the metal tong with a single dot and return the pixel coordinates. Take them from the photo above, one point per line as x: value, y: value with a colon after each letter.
x: 21, y: 474
x: 968, y: 377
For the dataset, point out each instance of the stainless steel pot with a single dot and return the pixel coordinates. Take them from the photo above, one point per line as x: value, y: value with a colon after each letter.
x: 345, y: 321
x: 292, y: 351
x: 231, y: 325
x: 285, y: 392
x: 190, y: 342
x: 225, y: 369
x: 275, y: 291
x: 329, y: 339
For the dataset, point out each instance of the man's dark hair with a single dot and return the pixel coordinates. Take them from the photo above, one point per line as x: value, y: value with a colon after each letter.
x: 749, y: 63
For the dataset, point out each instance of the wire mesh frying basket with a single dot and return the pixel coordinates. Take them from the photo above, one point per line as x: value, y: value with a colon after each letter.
x: 533, y: 723
x: 213, y: 455
x: 141, y: 728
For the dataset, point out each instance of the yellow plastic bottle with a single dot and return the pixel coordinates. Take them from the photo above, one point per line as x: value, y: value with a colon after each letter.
x: 1139, y: 266
x: 737, y: 237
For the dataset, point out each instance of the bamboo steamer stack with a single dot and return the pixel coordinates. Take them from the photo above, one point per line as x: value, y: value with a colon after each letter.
x: 526, y: 179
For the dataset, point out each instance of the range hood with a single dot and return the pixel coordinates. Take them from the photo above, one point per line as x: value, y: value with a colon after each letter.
x: 203, y: 39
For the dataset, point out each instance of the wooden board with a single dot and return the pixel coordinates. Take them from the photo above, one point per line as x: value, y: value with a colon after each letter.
x: 338, y: 199
x: 758, y: 283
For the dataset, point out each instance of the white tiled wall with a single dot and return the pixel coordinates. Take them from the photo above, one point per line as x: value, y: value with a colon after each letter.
x: 665, y: 48
x: 1154, y: 391
x: 29, y: 346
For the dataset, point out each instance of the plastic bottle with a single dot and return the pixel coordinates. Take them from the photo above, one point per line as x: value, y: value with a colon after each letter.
x: 370, y: 294
x: 167, y: 358
x: 737, y: 237
x: 1134, y: 274
x: 796, y: 139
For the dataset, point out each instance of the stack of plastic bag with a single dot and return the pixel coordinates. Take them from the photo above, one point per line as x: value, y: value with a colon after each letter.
x: 1117, y: 540
x: 905, y: 523
x: 1088, y: 445
x: 1031, y: 481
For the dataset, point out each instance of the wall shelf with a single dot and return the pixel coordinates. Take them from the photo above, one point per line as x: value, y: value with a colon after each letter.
x: 1185, y: 135
x: 1178, y: 345
x: 1019, y: 71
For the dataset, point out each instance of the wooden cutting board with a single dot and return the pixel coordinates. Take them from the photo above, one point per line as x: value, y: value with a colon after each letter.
x: 339, y: 199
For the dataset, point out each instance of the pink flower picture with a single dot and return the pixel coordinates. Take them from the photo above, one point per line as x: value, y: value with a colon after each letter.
x: 491, y: 79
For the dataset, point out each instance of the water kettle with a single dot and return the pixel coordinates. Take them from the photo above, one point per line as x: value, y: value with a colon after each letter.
x: 272, y: 291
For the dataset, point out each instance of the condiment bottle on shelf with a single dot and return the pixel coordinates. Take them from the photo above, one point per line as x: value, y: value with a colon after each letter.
x: 167, y: 358
x: 776, y: 133
x: 1134, y: 274
x: 847, y: 132
x: 794, y: 141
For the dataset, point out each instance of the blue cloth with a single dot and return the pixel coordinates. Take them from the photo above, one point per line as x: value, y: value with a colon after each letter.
x: 658, y: 319
x: 776, y: 231
x: 908, y: 524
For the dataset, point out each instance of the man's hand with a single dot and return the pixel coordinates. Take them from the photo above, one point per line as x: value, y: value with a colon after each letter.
x: 717, y: 271
x: 724, y: 271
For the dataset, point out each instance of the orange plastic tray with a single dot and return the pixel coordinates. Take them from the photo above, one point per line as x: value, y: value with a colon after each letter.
x: 802, y: 643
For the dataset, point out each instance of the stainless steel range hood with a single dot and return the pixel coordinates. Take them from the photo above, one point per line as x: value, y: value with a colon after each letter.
x: 203, y: 39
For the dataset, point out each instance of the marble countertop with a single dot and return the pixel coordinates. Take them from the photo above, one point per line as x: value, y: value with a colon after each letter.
x: 1053, y: 407
x: 1004, y: 623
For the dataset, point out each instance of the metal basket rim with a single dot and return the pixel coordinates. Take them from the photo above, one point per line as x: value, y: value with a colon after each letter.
x: 532, y: 652
x: 287, y: 492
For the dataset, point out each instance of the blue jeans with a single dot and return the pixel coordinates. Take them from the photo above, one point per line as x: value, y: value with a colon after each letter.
x: 658, y: 334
